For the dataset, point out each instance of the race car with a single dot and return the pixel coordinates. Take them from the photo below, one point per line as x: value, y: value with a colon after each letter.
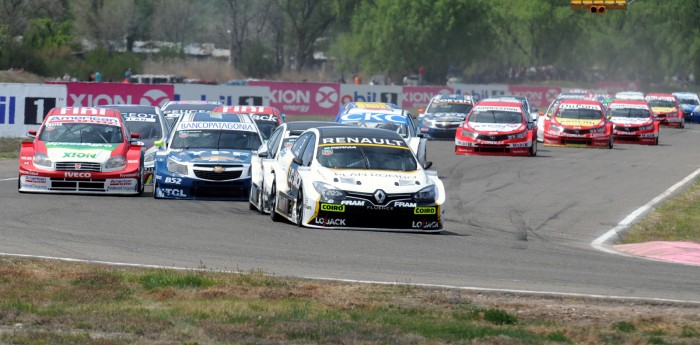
x: 266, y: 162
x: 398, y: 120
x: 356, y: 178
x: 633, y: 122
x: 497, y: 128
x: 175, y: 109
x: 580, y: 123
x: 688, y: 101
x: 366, y: 105
x: 630, y: 95
x: 547, y: 115
x: 148, y: 121
x: 207, y: 157
x: 82, y: 150
x: 444, y: 114
x: 267, y: 118
x: 666, y: 110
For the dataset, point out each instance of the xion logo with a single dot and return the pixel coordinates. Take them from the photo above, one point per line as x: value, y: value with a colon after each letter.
x: 79, y: 155
x: 326, y: 97
x: 329, y: 221
x: 332, y: 208
x: 154, y: 97
x: 78, y: 174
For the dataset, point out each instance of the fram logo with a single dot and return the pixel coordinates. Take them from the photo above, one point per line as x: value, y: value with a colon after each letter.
x: 7, y: 109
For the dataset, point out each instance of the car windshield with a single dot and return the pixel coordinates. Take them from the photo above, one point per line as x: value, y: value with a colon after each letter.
x: 81, y: 133
x: 266, y: 127
x: 580, y: 113
x: 215, y: 139
x: 392, y: 126
x: 631, y: 113
x: 662, y: 103
x: 495, y: 116
x: 366, y: 157
x: 148, y: 128
x: 461, y: 108
x: 688, y: 101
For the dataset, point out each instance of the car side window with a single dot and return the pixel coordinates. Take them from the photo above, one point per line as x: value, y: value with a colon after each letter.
x: 273, y: 142
x: 300, y: 144
x: 308, y: 154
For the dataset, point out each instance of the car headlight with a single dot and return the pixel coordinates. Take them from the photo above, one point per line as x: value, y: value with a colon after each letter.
x: 149, y: 158
x: 517, y: 136
x: 466, y: 133
x: 328, y: 193
x: 598, y: 130
x: 426, y: 194
x: 646, y: 128
x: 176, y: 167
x: 43, y: 160
x: 554, y: 128
x: 115, y: 163
x: 428, y: 122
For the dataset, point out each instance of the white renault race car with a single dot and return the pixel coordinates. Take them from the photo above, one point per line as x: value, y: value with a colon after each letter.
x: 356, y: 178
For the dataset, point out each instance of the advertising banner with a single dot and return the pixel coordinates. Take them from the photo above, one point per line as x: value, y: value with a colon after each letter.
x: 370, y: 93
x: 481, y: 91
x: 296, y: 98
x: 228, y: 95
x: 539, y: 96
x: 23, y: 106
x: 415, y: 97
x: 94, y: 94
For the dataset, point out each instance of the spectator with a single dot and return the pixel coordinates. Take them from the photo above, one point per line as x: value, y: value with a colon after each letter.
x: 91, y: 76
x: 357, y: 79
x: 98, y: 76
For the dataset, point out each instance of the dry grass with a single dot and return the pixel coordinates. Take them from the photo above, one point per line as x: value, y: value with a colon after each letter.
x: 9, y: 147
x: 210, y: 70
x: 44, y: 302
x: 20, y: 77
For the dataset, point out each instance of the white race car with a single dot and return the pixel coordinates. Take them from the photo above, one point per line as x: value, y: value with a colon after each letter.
x: 266, y: 162
x: 356, y: 178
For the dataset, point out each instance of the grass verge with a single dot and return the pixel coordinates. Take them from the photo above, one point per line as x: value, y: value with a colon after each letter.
x: 9, y: 147
x: 44, y: 302
x: 676, y: 219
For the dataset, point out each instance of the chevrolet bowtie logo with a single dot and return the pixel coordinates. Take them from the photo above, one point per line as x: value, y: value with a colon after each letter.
x: 218, y: 169
x: 379, y: 196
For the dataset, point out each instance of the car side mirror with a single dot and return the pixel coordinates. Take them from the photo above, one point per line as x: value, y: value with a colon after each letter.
x: 541, y: 113
x: 158, y: 143
x: 135, y: 135
x: 427, y: 165
x: 262, y: 154
x: 421, y: 111
x: 298, y: 160
x: 31, y: 133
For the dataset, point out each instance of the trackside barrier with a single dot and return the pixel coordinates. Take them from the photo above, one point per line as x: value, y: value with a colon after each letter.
x: 23, y: 106
x: 93, y: 94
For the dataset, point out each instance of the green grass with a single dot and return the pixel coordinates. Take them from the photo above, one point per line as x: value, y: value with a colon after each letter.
x: 72, y: 303
x: 675, y: 220
x: 9, y: 147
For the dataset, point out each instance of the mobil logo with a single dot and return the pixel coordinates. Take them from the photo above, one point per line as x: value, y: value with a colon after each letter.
x: 7, y: 109
x: 359, y: 97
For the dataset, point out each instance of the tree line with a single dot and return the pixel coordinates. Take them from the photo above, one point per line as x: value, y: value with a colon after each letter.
x: 478, y: 40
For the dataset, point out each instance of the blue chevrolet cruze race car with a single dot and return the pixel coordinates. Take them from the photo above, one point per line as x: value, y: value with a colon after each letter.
x: 207, y: 156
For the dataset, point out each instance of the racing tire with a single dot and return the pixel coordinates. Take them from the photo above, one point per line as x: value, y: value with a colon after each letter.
x: 19, y: 185
x: 250, y: 200
x: 140, y: 185
x: 299, y: 209
x: 155, y: 187
x: 610, y: 144
x: 533, y: 149
x: 273, y: 204
x: 682, y: 125
x: 656, y: 141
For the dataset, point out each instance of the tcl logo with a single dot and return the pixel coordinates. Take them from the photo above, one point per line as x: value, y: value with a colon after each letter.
x: 77, y: 174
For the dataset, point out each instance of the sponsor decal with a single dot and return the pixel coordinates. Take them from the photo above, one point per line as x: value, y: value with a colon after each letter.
x: 332, y: 208
x: 79, y: 155
x: 77, y: 174
x: 353, y: 202
x: 330, y: 221
x: 327, y: 151
x: 121, y: 182
x: 139, y: 117
x: 172, y: 192
x: 173, y: 180
x: 660, y: 98
x: 260, y: 117
x: 113, y: 121
x: 405, y: 204
x: 497, y: 108
x: 229, y: 126
x: 425, y: 225
x: 35, y: 179
x: 375, y: 174
x: 425, y: 210
x: 374, y: 117
x: 375, y: 141
x: 579, y: 106
x: 627, y: 106
x: 129, y: 175
x: 578, y: 122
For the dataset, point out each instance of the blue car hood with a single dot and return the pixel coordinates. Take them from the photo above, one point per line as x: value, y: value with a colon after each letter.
x: 688, y: 108
x: 211, y: 156
x: 445, y: 116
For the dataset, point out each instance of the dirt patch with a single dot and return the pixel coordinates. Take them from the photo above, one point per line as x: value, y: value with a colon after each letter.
x: 18, y: 76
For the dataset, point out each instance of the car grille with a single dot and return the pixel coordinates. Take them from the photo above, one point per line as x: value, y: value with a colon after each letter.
x: 492, y: 137
x: 218, y: 176
x: 81, y: 185
x: 577, y: 141
x: 576, y: 131
x: 370, y: 197
x: 447, y: 124
x: 78, y: 166
x: 627, y: 129
x: 492, y: 149
x: 627, y: 138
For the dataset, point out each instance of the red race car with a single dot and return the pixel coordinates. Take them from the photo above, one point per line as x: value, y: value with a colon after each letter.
x: 633, y: 122
x: 81, y: 150
x: 666, y: 109
x: 580, y: 123
x: 497, y: 128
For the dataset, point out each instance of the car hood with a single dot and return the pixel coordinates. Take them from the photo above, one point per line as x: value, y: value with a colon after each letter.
x: 497, y: 127
x: 662, y: 110
x: 579, y: 122
x: 211, y: 156
x: 688, y: 107
x: 631, y: 120
x: 82, y: 152
x: 447, y: 117
x: 368, y: 181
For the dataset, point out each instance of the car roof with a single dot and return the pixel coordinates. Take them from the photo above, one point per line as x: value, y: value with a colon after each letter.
x: 498, y: 103
x: 91, y: 111
x: 247, y: 109
x: 660, y: 96
x: 456, y: 98
x: 304, y: 125
x: 629, y: 101
x: 580, y: 101
x: 140, y: 108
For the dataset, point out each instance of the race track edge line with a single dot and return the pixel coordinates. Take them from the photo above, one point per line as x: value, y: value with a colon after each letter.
x: 602, y: 243
x: 8, y: 179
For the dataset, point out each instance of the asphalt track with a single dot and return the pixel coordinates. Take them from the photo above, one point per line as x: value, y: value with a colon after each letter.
x: 513, y: 223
